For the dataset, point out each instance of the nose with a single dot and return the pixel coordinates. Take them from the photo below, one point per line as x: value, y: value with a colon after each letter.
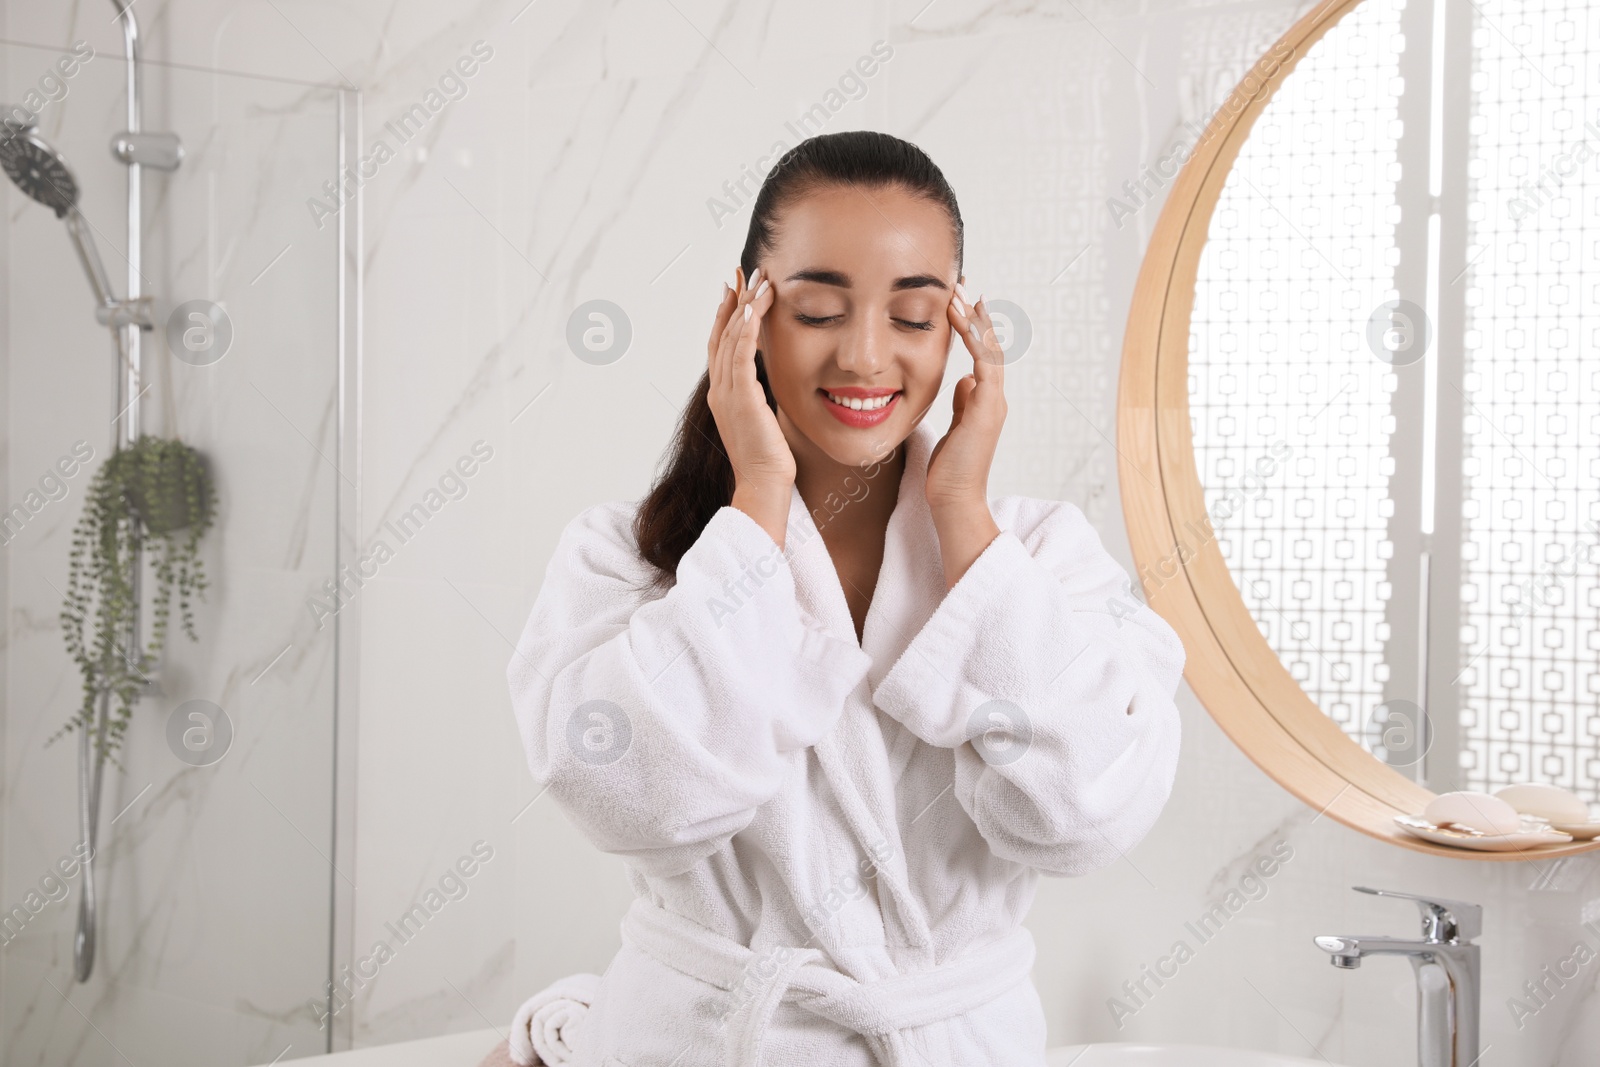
x: 865, y: 346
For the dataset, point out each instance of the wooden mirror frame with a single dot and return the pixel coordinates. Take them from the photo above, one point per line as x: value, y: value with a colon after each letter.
x: 1235, y: 673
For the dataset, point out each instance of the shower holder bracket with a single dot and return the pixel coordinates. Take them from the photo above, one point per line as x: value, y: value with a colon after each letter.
x: 134, y: 312
x: 163, y: 151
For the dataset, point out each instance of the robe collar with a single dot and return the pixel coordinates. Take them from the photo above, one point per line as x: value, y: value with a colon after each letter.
x: 910, y: 580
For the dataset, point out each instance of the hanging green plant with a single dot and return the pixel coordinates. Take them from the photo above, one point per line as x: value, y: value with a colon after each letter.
x: 154, y: 495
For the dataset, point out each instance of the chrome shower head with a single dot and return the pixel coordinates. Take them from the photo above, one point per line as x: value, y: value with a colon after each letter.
x: 42, y: 172
x: 38, y: 169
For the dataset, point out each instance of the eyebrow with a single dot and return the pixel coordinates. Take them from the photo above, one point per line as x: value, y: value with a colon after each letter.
x: 842, y: 280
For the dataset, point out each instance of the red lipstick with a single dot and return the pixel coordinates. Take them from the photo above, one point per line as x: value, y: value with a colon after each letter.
x: 873, y: 410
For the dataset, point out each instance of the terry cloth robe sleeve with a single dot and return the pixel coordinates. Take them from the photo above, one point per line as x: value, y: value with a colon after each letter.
x: 1040, y: 641
x: 661, y: 721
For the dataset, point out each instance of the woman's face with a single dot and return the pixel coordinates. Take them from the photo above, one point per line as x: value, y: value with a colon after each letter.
x: 856, y: 339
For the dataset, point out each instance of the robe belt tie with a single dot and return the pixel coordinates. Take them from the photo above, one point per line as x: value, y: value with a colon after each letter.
x: 878, y: 1010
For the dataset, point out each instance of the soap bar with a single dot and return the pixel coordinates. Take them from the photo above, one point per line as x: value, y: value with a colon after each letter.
x: 1473, y: 811
x: 1547, y: 801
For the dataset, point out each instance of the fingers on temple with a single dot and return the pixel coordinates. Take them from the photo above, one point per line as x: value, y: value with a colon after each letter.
x: 725, y: 310
x: 988, y: 358
x: 759, y: 302
x: 727, y: 315
x: 735, y: 330
x: 732, y: 326
x: 977, y: 331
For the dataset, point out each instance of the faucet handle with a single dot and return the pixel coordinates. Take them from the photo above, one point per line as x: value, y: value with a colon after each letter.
x: 1442, y: 919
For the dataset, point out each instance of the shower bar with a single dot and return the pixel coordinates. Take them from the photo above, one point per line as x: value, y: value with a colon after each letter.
x: 132, y: 345
x: 128, y: 319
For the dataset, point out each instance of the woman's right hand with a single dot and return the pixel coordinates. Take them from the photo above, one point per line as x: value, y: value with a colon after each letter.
x: 763, y: 465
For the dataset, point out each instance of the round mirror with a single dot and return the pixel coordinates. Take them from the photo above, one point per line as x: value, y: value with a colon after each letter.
x: 1360, y: 434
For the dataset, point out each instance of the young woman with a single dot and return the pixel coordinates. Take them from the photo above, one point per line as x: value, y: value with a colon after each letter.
x: 836, y: 707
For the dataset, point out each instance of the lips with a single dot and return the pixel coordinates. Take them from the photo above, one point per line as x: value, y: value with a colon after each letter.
x: 858, y: 407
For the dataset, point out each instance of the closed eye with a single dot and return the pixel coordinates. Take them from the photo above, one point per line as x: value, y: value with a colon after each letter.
x: 823, y: 320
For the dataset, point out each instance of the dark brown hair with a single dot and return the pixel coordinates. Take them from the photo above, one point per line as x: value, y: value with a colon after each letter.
x: 696, y: 479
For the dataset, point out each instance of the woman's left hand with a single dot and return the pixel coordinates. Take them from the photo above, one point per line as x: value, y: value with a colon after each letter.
x: 958, y: 469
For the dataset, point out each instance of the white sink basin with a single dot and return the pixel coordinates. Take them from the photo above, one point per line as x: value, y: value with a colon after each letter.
x: 467, y: 1050
x: 1124, y: 1055
x: 452, y: 1050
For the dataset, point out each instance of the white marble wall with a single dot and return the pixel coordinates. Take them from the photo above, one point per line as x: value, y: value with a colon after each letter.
x: 577, y: 166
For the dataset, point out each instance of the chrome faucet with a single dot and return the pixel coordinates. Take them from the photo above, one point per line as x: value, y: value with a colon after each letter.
x: 1448, y: 974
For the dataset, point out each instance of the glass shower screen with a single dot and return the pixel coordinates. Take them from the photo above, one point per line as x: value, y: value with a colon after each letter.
x: 215, y: 869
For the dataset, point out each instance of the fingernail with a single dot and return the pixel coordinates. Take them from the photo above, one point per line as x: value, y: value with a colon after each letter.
x: 962, y: 290
x: 978, y: 301
x: 747, y: 312
x: 956, y: 300
x: 972, y: 328
x: 726, y: 289
x: 763, y: 287
x: 754, y: 275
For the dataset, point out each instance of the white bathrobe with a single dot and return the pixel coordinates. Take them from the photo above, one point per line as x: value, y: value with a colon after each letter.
x: 833, y: 843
